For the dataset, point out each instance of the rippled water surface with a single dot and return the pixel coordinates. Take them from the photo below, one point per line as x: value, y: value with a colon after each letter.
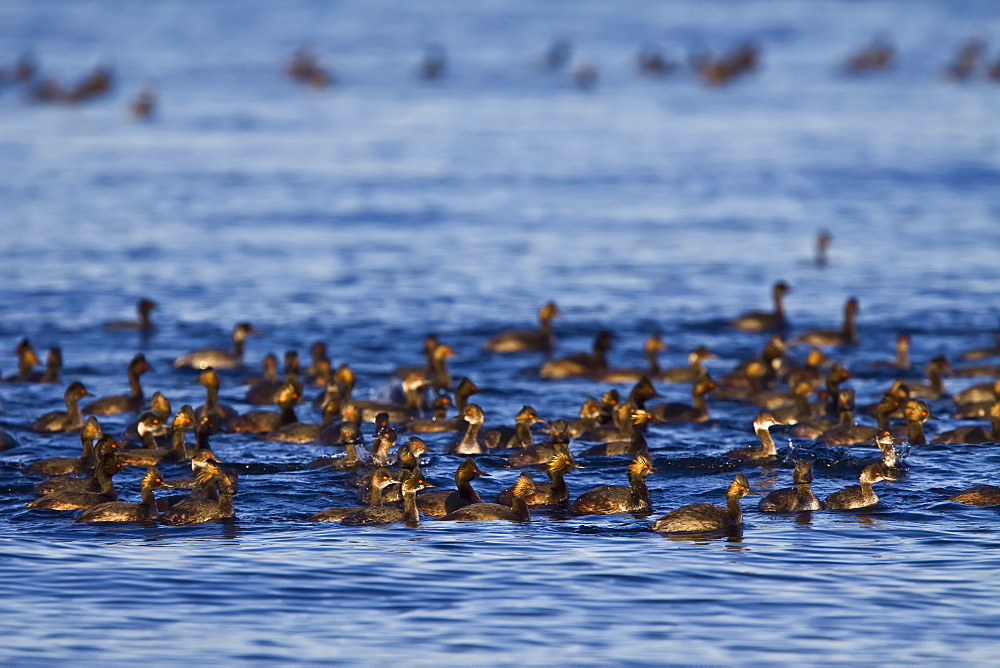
x: 372, y: 213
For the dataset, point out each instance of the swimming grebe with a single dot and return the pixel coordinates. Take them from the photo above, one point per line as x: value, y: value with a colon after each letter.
x: 554, y: 492
x: 981, y: 495
x: 974, y: 434
x: 439, y: 420
x: 902, y: 361
x: 487, y: 512
x: 434, y: 63
x: 593, y: 364
x: 219, y: 414
x: 388, y: 514
x: 983, y: 353
x: 124, y: 403
x: 518, y: 436
x: 766, y: 322
x: 877, y: 56
x: 266, y: 422
x: 847, y: 335
x: 150, y: 455
x: 471, y: 442
x: 611, y: 499
x: 540, y: 453
x: 793, y: 499
x: 527, y: 340
x: 217, y: 357
x: 934, y: 388
x: 705, y: 516
x: 144, y: 306
x: 99, y: 451
x: 634, y: 441
x: 198, y: 511
x: 120, y: 511
x: 380, y: 480
x: 263, y: 390
x: 857, y: 496
x: 68, y: 420
x: 89, y: 433
x: 680, y: 412
x: 847, y: 432
x: 654, y: 344
x: 76, y: 499
x: 766, y: 450
x: 53, y: 366
x: 694, y: 370
x: 441, y: 502
x: 27, y: 359
x: 916, y: 413
x: 413, y: 386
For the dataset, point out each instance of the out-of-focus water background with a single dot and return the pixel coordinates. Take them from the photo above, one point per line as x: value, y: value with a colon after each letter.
x: 384, y: 207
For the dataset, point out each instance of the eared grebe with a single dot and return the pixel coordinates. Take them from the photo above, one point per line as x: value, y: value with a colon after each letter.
x: 264, y: 422
x: 263, y: 390
x: 53, y: 366
x: 766, y: 450
x: 439, y: 420
x: 554, y: 492
x: 877, y: 56
x: 982, y: 495
x: 589, y: 418
x: 847, y: 335
x: 857, y: 496
x: 654, y: 344
x: 143, y: 104
x: 705, y: 516
x: 350, y: 439
x: 216, y: 357
x: 124, y: 403
x: 916, y: 413
x: 68, y: 420
x: 120, y: 511
x: 975, y: 401
x: 902, y: 361
x: 100, y: 452
x: 984, y: 353
x: 766, y: 322
x: 388, y: 514
x: 593, y: 364
x: 974, y: 434
x: 144, y: 306
x: 633, y: 431
x: 793, y: 499
x: 694, y: 370
x: 150, y: 455
x: 847, y: 432
x: 380, y: 480
x: 611, y: 499
x: 159, y: 405
x: 934, y: 388
x: 485, y: 512
x: 518, y: 436
x: 413, y: 386
x: 69, y: 499
x: 199, y: 510
x: 540, y: 453
x: 219, y: 414
x: 27, y: 360
x: 441, y: 502
x: 680, y: 412
x: 89, y: 433
x: 471, y: 443
x: 527, y: 340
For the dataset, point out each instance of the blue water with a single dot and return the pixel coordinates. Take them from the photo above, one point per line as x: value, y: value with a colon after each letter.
x: 386, y: 207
